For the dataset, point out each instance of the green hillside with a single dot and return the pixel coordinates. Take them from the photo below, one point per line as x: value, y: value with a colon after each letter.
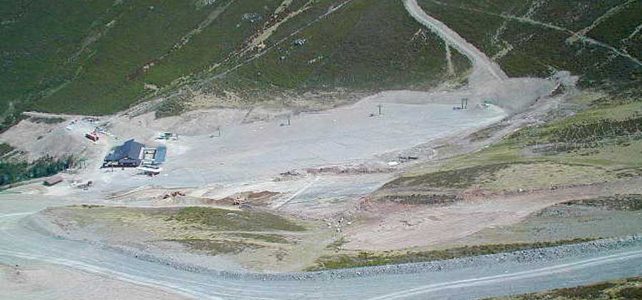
x: 600, y: 40
x: 593, y: 137
x: 99, y: 57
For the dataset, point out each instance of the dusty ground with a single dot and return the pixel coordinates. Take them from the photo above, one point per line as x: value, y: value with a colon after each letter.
x: 630, y: 288
x: 388, y: 226
x: 41, y: 281
x: 40, y: 139
x: 249, y: 157
x: 561, y: 222
x: 319, y: 167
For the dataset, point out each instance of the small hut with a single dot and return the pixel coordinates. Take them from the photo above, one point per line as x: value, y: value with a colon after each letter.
x: 51, y: 181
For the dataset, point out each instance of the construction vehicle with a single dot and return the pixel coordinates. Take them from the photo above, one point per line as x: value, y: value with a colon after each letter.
x: 93, y: 136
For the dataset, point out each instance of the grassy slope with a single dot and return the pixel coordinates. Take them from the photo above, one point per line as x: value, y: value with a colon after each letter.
x: 367, y: 45
x: 537, y: 49
x: 99, y: 57
x: 260, y: 239
x: 112, y: 76
x: 5, y: 148
x: 601, y: 143
x: 605, y: 137
x: 38, y: 39
x: 597, y: 144
x: 367, y: 259
x: 223, y: 220
x: 94, y: 57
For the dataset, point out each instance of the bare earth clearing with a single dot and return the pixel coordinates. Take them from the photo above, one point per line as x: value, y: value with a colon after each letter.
x: 41, y: 281
x: 443, y: 226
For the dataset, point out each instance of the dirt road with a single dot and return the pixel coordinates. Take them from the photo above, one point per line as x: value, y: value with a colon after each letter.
x: 36, y: 280
x: 483, y: 67
x: 23, y: 244
x: 479, y: 287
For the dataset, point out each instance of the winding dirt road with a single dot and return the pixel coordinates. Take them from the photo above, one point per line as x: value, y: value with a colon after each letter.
x: 484, y: 68
x: 21, y: 243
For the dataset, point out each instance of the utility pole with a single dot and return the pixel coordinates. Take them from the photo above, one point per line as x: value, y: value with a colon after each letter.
x: 380, y: 107
x: 218, y: 133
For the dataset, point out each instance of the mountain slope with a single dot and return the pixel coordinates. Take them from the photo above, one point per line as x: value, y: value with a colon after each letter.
x: 598, y: 40
x: 98, y: 57
x: 94, y: 57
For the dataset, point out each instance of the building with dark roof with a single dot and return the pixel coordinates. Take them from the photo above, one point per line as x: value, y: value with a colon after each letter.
x: 129, y: 154
x: 51, y: 181
x: 159, y: 156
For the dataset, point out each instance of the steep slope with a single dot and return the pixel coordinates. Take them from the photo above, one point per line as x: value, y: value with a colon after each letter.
x: 598, y: 40
x: 572, y: 144
x: 579, y: 138
x: 577, y: 131
x: 482, y: 65
x: 95, y: 57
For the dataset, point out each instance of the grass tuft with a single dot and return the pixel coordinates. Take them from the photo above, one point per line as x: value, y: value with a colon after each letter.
x: 367, y: 259
x: 627, y: 289
x: 220, y: 219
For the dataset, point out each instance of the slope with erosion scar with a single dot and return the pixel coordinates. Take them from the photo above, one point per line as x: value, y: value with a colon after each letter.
x: 481, y: 62
x: 598, y: 41
x: 116, y: 55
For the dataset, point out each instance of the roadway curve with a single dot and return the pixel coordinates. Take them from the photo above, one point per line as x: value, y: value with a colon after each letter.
x: 484, y: 68
x: 21, y: 242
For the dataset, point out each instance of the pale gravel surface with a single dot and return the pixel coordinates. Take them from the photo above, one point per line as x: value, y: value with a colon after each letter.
x: 544, y: 268
x: 33, y: 280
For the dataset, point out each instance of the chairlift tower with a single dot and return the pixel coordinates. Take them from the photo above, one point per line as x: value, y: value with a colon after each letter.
x: 464, y: 103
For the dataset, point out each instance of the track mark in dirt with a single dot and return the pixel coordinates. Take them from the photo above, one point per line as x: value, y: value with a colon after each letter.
x: 574, y: 36
x: 610, y: 13
x: 276, y: 44
x: 258, y: 41
x: 481, y: 62
x: 299, y: 192
x: 441, y: 225
x: 499, y: 279
x: 634, y: 33
x: 449, y: 59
